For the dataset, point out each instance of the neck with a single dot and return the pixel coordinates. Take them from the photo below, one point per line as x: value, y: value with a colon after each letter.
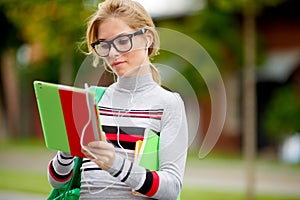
x: 137, y: 71
x: 135, y: 83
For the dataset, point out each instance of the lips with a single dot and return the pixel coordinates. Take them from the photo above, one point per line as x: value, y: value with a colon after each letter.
x: 117, y: 63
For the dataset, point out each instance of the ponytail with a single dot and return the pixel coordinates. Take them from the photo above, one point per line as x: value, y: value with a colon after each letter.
x: 155, y: 74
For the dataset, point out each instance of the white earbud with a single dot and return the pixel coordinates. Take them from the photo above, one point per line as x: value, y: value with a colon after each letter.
x: 148, y: 44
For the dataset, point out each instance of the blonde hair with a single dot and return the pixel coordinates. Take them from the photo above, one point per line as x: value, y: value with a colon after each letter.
x: 134, y: 15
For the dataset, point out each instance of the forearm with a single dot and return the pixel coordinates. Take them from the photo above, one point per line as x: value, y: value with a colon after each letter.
x: 60, y: 169
x: 162, y: 184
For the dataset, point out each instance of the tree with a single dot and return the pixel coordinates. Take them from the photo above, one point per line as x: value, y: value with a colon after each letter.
x: 50, y: 32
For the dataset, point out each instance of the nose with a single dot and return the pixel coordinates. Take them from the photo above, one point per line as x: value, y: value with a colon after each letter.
x: 113, y: 52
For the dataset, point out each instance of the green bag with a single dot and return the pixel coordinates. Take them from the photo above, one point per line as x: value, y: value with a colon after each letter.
x: 70, y: 191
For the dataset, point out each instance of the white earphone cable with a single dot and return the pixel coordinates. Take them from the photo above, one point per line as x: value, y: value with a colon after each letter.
x: 117, y: 125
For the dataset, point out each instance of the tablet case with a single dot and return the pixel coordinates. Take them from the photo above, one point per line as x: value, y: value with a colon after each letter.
x: 64, y: 114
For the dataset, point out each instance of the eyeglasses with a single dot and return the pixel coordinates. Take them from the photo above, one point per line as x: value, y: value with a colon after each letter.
x: 122, y: 43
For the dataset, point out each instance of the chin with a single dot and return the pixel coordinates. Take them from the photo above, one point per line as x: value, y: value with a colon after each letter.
x: 120, y: 73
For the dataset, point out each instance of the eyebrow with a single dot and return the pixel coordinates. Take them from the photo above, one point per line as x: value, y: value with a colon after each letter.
x: 118, y: 35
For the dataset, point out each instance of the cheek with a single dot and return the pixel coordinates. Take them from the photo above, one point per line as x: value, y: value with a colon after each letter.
x: 139, y: 44
x: 136, y: 57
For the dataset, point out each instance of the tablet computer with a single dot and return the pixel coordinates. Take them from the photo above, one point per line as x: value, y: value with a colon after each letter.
x: 69, y: 116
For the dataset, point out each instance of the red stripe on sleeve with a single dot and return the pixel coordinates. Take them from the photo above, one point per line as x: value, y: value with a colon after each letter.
x: 155, y: 184
x: 124, y: 137
x: 57, y: 177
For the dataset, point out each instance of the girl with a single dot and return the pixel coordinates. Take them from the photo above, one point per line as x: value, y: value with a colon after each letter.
x: 123, y: 35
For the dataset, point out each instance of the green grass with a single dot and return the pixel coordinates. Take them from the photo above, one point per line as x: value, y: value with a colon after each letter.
x: 29, y: 143
x: 24, y: 182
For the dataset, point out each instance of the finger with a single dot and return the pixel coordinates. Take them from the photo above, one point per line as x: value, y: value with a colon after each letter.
x: 100, y: 145
x: 101, y: 164
x: 95, y: 152
x: 87, y: 154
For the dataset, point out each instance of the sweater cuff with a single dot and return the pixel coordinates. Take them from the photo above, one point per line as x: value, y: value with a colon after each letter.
x: 117, y: 165
x: 65, y: 155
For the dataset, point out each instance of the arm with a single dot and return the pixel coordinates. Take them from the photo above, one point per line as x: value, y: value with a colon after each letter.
x: 172, y: 150
x: 60, y: 169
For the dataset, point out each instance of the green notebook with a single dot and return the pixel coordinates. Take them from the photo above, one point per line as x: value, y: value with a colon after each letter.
x: 147, y: 151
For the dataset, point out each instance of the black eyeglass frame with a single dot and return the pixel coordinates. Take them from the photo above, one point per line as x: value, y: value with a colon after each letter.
x: 111, y: 42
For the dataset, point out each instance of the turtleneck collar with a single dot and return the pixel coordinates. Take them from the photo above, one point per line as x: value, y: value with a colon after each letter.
x: 136, y: 83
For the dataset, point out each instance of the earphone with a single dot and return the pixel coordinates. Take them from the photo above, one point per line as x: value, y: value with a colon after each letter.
x: 148, y: 44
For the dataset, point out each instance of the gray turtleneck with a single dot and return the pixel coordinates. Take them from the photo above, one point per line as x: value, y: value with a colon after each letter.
x: 128, y: 108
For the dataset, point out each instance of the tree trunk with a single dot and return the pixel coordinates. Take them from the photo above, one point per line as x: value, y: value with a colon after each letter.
x: 11, y: 94
x: 249, y: 98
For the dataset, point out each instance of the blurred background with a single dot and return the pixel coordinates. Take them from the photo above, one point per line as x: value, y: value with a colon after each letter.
x: 256, y: 47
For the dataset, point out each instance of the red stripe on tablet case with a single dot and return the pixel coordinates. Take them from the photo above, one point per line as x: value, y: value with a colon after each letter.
x: 76, y: 116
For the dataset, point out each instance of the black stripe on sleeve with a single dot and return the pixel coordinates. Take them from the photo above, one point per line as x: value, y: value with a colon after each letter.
x: 58, y: 176
x: 147, y: 184
x: 125, y: 145
x: 64, y: 157
x: 128, y: 172
x: 92, y: 169
x: 63, y: 164
x: 86, y: 161
x: 124, y: 130
x: 119, y: 172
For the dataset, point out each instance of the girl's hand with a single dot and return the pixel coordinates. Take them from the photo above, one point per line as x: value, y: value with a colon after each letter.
x: 103, y: 151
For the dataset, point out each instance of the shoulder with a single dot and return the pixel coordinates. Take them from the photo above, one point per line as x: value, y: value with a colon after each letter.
x: 110, y: 89
x: 168, y: 98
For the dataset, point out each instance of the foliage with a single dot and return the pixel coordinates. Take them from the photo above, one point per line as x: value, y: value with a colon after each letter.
x: 54, y: 24
x: 52, y: 30
x: 218, y: 28
x: 283, y: 113
x: 8, y: 32
x: 210, y: 28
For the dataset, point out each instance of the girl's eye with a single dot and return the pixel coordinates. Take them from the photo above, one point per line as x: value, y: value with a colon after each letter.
x: 104, y: 45
x: 124, y: 40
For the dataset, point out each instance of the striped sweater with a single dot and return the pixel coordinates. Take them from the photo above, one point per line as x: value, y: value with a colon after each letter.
x: 127, y: 109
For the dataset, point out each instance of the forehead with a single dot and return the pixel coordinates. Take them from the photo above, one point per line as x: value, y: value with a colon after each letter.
x: 112, y: 27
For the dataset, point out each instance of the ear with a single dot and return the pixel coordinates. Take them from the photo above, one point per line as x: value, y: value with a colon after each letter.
x: 149, y: 39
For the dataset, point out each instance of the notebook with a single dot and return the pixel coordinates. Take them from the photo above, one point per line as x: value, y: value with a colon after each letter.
x: 68, y: 113
x: 147, y: 150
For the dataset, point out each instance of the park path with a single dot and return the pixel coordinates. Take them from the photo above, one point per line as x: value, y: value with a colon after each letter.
x: 277, y: 179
